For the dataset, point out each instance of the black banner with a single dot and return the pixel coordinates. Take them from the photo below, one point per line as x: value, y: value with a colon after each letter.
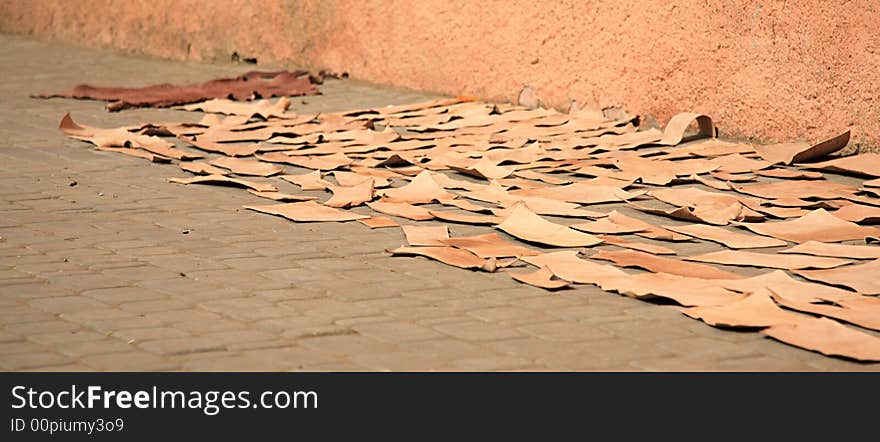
x: 123, y: 406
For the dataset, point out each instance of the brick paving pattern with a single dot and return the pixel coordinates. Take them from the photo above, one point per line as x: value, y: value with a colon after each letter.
x: 125, y: 271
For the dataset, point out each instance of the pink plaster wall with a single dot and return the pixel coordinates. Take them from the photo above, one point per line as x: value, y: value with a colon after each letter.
x: 771, y: 70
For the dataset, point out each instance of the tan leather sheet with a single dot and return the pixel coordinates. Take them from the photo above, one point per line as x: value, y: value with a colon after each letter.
x: 307, y: 211
x: 318, y: 162
x: 862, y: 164
x: 447, y: 255
x: 652, y: 171
x: 484, y: 169
x: 635, y: 245
x: 787, y: 153
x: 779, y: 212
x: 727, y: 237
x: 280, y: 196
x: 779, y: 282
x: 815, y: 204
x: 769, y: 260
x: 835, y: 250
x: 734, y: 177
x: 872, y: 183
x: 646, y: 230
x: 490, y: 245
x: 549, y: 179
x: 708, y: 148
x: 221, y: 180
x: 567, y: 266
x: 526, y: 225
x: 802, y: 189
x: 580, y: 193
x: 201, y: 168
x: 818, y: 225
x: 121, y: 138
x: 240, y: 166
x: 465, y: 218
x: 604, y: 225
x: 378, y: 222
x: 545, y: 206
x: 350, y: 196
x: 262, y: 108
x: 425, y: 235
x: 632, y: 258
x: 403, y: 210
x: 466, y: 205
x: 542, y: 278
x: 704, y: 214
x: 862, y: 278
x: 755, y: 310
x: 791, y: 174
x: 704, y: 206
x: 736, y: 163
x: 863, y: 314
x: 678, y: 124
x: 715, y: 184
x: 308, y: 181
x: 685, y: 291
x: 422, y: 189
x: 229, y: 150
x: 137, y: 153
x: 352, y: 179
x: 828, y: 337
x: 859, y: 213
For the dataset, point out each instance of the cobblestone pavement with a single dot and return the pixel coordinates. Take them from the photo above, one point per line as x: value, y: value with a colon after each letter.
x: 125, y: 271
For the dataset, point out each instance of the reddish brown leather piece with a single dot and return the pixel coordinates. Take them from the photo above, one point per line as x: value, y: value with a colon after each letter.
x: 248, y: 86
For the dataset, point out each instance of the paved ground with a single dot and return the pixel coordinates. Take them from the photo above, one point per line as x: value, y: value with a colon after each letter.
x: 125, y: 271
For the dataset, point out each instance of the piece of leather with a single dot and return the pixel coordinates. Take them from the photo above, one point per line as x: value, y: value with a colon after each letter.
x: 818, y: 225
x: 828, y: 337
x: 788, y: 153
x: 525, y: 224
x: 835, y: 250
x: 307, y: 211
x: 542, y: 278
x: 755, y: 310
x: 769, y: 260
x: 243, y: 87
x: 726, y: 237
x: 447, y: 255
x: 221, y: 179
x: 632, y: 258
x: 863, y: 164
x: 861, y: 278
x: 425, y: 235
x: 490, y: 245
